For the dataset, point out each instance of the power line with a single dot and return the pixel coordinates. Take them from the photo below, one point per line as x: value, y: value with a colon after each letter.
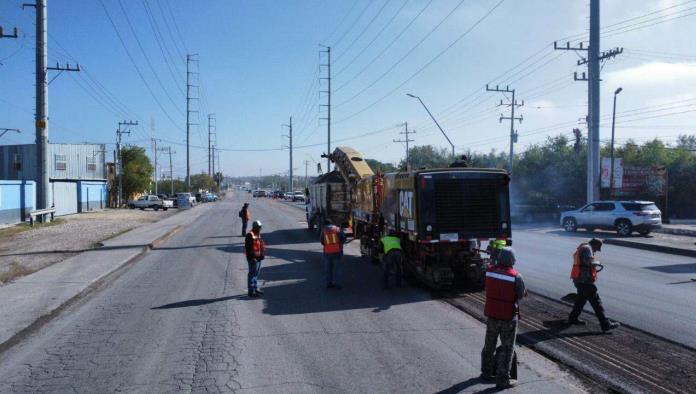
x: 352, y: 25
x: 166, y: 55
x: 362, y: 32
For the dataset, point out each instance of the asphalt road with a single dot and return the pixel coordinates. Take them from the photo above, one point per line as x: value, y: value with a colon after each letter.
x: 179, y: 320
x: 647, y: 290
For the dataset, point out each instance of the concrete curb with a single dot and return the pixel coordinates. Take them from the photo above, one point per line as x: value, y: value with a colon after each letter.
x: 676, y: 231
x: 650, y: 247
x: 96, y: 284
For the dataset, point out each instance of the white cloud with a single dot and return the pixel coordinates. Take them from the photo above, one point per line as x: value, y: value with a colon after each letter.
x: 653, y: 74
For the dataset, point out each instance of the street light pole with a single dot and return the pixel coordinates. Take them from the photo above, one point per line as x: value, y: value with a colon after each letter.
x: 613, y: 123
x: 434, y: 120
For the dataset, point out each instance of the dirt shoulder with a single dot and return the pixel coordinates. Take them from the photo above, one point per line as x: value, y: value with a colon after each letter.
x: 23, y: 251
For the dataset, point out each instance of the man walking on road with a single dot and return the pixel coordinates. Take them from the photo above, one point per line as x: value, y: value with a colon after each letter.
x: 255, y: 249
x: 391, y: 247
x: 584, y: 275
x: 504, y: 289
x: 245, y: 215
x: 332, y: 238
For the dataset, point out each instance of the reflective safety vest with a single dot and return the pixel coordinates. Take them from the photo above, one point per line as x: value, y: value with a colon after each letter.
x: 391, y: 242
x: 332, y: 243
x: 501, y: 297
x: 576, y: 271
x: 258, y: 246
x: 247, y: 215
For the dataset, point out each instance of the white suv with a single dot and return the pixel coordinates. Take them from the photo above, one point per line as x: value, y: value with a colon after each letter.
x: 622, y: 216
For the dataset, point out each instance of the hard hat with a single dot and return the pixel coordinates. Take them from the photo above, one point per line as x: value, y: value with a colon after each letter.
x: 256, y: 224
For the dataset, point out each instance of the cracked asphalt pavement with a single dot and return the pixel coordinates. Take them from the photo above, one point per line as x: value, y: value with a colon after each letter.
x: 179, y: 320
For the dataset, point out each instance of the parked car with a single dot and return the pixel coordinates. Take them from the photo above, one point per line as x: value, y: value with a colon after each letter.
x: 189, y: 196
x: 210, y: 197
x: 622, y: 216
x: 149, y: 201
x: 298, y: 196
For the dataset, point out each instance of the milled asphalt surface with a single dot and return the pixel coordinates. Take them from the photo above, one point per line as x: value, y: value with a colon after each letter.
x: 179, y: 320
x: 648, y: 290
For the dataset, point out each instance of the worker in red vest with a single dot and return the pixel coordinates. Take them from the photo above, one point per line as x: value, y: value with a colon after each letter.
x: 332, y: 238
x: 584, y: 276
x: 255, y: 249
x: 504, y: 289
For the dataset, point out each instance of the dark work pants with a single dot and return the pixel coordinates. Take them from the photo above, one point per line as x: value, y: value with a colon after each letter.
x: 507, y: 331
x: 244, y: 227
x: 393, y: 265
x: 588, y: 292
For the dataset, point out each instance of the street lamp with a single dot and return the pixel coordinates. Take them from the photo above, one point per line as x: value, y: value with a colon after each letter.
x: 611, y: 169
x: 433, y: 118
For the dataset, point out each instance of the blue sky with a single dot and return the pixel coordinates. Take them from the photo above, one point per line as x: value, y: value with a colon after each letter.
x: 259, y: 64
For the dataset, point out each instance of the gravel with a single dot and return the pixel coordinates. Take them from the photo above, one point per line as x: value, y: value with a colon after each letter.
x: 38, y: 248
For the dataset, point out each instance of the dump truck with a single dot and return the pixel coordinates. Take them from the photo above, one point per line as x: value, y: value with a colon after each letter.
x: 331, y: 195
x: 441, y: 216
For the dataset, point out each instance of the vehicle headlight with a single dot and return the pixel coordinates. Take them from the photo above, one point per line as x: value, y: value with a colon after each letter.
x: 428, y: 228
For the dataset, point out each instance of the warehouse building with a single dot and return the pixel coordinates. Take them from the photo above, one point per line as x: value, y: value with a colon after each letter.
x: 77, y: 175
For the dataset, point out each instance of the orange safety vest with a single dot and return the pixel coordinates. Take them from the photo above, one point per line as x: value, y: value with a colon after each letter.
x: 332, y: 243
x: 575, y: 271
x: 258, y: 246
x: 247, y: 215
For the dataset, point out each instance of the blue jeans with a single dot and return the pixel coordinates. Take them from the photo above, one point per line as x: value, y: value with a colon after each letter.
x: 252, y: 276
x: 333, y: 269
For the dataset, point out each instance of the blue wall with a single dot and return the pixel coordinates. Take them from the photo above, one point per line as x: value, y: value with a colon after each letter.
x: 91, y: 195
x: 17, y: 199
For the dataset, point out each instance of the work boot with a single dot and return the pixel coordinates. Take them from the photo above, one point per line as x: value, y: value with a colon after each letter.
x: 608, y: 325
x: 504, y: 383
x: 258, y: 292
x: 486, y: 377
x: 576, y: 322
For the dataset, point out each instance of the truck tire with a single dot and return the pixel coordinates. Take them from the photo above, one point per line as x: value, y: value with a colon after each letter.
x: 131, y: 206
x: 165, y: 208
x: 156, y: 207
x: 142, y: 208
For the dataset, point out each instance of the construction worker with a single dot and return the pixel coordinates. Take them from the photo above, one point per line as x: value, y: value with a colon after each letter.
x: 245, y: 215
x: 332, y: 238
x: 391, y: 247
x: 494, y: 248
x: 255, y: 249
x: 504, y: 289
x: 584, y: 275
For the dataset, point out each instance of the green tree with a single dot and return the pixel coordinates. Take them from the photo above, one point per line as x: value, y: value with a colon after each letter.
x: 202, y: 181
x: 137, y: 170
x: 427, y: 156
x: 380, y: 167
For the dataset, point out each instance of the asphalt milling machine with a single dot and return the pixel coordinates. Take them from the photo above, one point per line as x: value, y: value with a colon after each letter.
x: 441, y: 215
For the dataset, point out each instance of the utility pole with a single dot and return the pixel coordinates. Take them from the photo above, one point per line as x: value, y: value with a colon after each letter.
x: 154, y: 152
x: 306, y: 165
x: 211, y: 159
x: 289, y: 136
x: 512, y: 104
x: 119, y: 165
x: 167, y: 149
x: 42, y: 179
x: 15, y: 33
x: 592, y: 77
x: 190, y: 58
x: 406, y: 140
x: 327, y: 105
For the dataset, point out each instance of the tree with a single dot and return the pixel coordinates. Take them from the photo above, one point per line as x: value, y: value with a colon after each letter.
x: 427, y: 156
x: 137, y: 170
x: 202, y: 181
x: 380, y: 167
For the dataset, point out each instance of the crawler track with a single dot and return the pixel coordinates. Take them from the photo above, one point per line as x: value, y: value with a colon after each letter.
x: 626, y: 360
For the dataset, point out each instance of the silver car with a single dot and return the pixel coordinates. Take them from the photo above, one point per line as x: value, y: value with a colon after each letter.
x: 622, y: 216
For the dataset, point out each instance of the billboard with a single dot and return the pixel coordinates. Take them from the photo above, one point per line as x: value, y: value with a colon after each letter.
x: 618, y: 172
x: 634, y: 180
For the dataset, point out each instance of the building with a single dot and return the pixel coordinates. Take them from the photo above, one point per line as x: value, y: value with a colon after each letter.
x: 77, y: 174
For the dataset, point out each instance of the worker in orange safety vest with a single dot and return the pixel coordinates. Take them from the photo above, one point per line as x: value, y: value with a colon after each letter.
x: 332, y: 238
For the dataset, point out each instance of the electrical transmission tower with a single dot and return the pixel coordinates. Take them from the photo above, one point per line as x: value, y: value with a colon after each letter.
x: 593, y: 59
x: 212, y: 130
x: 119, y: 165
x: 15, y: 33
x: 154, y: 153
x: 289, y: 137
x: 168, y: 149
x: 406, y: 140
x: 192, y: 58
x: 327, y: 105
x: 512, y: 118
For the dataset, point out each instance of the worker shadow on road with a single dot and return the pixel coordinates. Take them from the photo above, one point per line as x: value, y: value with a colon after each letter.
x: 199, y: 302
x: 466, y: 385
x: 298, y: 286
x: 555, y: 329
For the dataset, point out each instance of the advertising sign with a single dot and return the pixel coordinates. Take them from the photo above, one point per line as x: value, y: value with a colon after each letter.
x: 182, y: 201
x: 618, y: 172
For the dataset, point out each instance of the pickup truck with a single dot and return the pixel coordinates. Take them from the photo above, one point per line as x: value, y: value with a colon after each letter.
x: 150, y: 201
